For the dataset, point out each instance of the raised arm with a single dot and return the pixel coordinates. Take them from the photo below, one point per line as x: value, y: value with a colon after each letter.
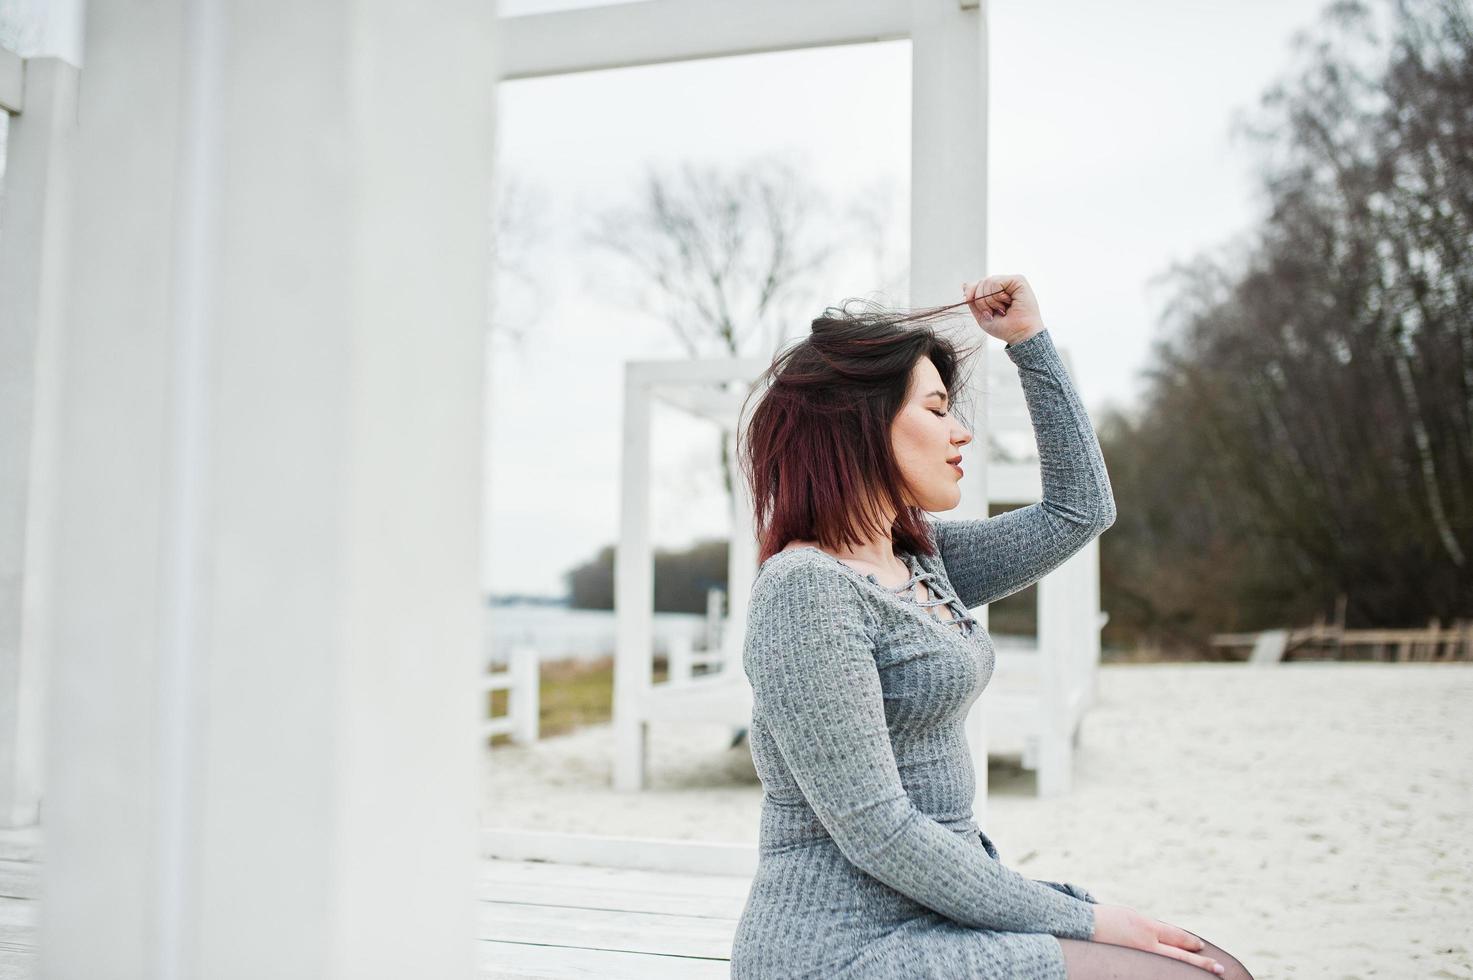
x: 810, y: 659
x: 987, y: 558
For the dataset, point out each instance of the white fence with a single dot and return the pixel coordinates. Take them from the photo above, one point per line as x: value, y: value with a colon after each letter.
x: 520, y: 680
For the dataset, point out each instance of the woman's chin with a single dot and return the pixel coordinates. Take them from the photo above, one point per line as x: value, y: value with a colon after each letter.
x: 945, y: 501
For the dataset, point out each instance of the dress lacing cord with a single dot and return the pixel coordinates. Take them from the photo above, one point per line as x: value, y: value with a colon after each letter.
x: 963, y: 619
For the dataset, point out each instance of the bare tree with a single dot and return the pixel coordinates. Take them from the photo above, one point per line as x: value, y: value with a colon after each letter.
x: 733, y: 258
x: 516, y: 290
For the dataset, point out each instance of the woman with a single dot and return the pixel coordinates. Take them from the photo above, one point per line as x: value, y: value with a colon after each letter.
x: 864, y: 662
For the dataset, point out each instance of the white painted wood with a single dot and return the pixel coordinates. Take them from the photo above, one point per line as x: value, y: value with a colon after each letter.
x: 526, y: 697
x: 12, y: 82
x: 713, y: 388
x: 21, y: 844
x: 519, y: 961
x: 680, y: 656
x: 532, y: 918
x: 1269, y: 647
x: 522, y: 680
x: 652, y: 854
x: 634, y: 587
x: 594, y: 896
x: 274, y: 368
x: 948, y: 234
x: 1042, y: 693
x: 36, y: 213
x: 1014, y: 481
x: 619, y: 930
x: 19, y: 879
x: 658, y: 31
x: 644, y: 884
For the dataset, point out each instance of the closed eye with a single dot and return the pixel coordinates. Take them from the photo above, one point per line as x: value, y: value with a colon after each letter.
x: 939, y: 415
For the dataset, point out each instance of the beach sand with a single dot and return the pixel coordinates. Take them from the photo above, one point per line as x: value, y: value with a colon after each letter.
x: 1312, y: 818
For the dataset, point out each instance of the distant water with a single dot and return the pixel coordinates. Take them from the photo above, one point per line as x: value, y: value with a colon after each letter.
x: 559, y: 633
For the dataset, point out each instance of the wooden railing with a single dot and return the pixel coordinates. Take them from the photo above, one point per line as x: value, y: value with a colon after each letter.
x: 1434, y: 643
x: 521, y: 682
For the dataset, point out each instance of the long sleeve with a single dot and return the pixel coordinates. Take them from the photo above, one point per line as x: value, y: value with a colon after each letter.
x: 987, y: 558
x: 810, y: 657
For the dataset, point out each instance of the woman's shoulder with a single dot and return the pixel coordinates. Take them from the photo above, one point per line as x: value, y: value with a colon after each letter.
x: 805, y: 573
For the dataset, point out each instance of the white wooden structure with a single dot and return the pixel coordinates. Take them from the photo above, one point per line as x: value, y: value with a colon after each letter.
x: 948, y: 232
x: 242, y: 327
x: 1038, y: 695
x: 1040, y: 692
x: 545, y: 905
x: 703, y: 388
x: 40, y: 96
x: 240, y: 611
x: 521, y: 681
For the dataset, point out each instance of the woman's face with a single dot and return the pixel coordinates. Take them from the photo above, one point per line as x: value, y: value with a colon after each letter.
x: 925, y: 437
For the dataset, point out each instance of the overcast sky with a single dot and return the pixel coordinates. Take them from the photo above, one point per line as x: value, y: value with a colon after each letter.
x: 1111, y: 158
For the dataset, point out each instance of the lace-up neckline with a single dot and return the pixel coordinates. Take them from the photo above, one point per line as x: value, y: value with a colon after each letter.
x: 960, y: 617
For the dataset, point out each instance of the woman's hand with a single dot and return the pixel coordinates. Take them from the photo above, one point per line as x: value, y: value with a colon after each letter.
x: 1011, y: 315
x: 1124, y: 926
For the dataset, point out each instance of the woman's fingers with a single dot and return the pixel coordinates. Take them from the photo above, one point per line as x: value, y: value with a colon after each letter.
x: 1176, y: 941
x: 979, y: 310
x: 997, y: 300
x: 1204, y: 962
x: 1177, y: 936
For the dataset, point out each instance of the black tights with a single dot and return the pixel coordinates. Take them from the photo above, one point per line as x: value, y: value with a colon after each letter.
x: 1105, y: 961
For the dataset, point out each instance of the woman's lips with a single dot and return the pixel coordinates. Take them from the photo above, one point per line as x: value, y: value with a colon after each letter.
x: 957, y: 468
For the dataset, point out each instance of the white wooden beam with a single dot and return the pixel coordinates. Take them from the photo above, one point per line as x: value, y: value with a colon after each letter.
x: 654, y: 31
x: 262, y: 711
x: 12, y: 81
x: 34, y: 212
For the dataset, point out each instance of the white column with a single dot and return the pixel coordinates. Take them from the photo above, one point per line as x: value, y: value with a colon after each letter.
x: 948, y: 227
x: 261, y: 737
x: 32, y: 290
x: 634, y: 588
x: 741, y: 569
x: 1057, y: 606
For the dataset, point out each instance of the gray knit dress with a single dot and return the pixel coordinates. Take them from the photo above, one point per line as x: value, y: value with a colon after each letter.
x: 870, y: 864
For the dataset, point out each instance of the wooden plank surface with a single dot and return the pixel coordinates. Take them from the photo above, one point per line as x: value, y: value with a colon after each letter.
x: 535, y: 920
x: 655, y: 933
x: 515, y: 961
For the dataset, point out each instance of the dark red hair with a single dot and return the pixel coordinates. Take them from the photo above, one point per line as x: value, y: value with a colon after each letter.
x: 816, y: 449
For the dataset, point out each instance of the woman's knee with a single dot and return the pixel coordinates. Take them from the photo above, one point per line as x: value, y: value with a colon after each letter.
x: 1233, y: 969
x: 1085, y: 960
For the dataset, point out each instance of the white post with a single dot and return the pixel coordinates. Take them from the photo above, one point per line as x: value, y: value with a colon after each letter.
x: 36, y: 212
x: 1054, y: 636
x: 714, y: 625
x: 525, y: 696
x: 679, y: 656
x: 948, y: 227
x: 741, y: 568
x: 634, y: 588
x: 261, y: 719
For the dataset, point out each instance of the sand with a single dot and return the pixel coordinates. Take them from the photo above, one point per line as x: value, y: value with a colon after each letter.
x: 1313, y: 819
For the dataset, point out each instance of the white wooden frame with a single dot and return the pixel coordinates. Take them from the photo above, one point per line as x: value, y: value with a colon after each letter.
x: 698, y: 387
x: 520, y: 680
x: 1038, y: 698
x: 40, y: 94
x: 948, y: 219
